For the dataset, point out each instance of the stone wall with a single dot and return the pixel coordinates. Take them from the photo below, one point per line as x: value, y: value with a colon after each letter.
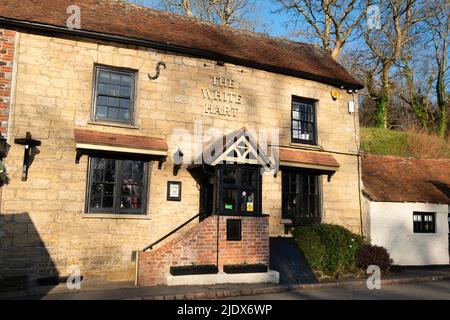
x: 199, y: 246
x: 54, y: 86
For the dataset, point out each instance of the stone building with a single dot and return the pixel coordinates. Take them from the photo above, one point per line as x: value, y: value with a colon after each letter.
x: 147, y: 119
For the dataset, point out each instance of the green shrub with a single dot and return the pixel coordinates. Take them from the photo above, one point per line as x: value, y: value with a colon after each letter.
x: 369, y: 255
x: 329, y: 249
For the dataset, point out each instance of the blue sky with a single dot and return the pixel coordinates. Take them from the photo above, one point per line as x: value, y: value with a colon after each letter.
x: 273, y: 24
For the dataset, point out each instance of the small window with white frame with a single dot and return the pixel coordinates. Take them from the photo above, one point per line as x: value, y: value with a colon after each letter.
x: 424, y: 222
x: 303, y: 118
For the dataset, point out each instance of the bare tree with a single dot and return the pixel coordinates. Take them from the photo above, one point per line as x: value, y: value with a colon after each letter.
x: 221, y: 12
x: 228, y: 11
x: 439, y: 27
x: 184, y: 5
x: 331, y: 21
x: 402, y: 22
x: 416, y: 93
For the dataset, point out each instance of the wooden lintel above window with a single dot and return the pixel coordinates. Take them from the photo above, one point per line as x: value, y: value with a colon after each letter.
x: 120, y: 143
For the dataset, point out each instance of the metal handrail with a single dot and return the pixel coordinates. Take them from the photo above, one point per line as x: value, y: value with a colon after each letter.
x: 150, y: 247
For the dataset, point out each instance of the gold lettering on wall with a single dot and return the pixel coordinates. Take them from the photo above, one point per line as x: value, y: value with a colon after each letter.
x: 222, y: 99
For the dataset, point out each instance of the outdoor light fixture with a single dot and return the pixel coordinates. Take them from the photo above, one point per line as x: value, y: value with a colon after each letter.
x: 4, y: 147
x: 29, y: 152
x: 335, y: 94
x: 177, y: 161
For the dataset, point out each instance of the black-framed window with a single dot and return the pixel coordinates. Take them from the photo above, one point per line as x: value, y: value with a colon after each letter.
x: 114, y: 95
x: 424, y: 222
x: 301, y: 197
x: 117, y: 186
x: 303, y: 122
x: 240, y: 190
x: 449, y: 226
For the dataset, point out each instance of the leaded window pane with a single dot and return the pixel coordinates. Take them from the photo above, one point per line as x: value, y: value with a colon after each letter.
x: 114, y: 95
x: 303, y: 122
x: 229, y: 200
x: 424, y: 222
x: 229, y: 176
x: 102, y: 187
x: 117, y: 186
x: 239, y: 190
x: 300, y: 197
x: 248, y: 201
x: 249, y: 178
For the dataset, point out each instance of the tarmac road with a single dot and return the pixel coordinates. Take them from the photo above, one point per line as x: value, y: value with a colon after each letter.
x: 438, y: 290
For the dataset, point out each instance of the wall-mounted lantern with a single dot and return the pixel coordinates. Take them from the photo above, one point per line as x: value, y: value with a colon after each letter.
x: 4, y: 147
x: 29, y: 153
x: 177, y: 161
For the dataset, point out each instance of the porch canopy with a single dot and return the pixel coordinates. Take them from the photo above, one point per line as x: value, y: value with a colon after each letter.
x: 238, y: 147
x: 89, y: 142
x: 317, y: 162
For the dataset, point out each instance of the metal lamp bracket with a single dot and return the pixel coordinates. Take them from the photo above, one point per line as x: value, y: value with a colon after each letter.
x: 29, y: 144
x: 158, y: 70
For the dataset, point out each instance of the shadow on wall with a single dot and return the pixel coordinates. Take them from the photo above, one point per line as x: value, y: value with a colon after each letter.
x: 408, y: 248
x: 24, y: 259
x: 443, y: 187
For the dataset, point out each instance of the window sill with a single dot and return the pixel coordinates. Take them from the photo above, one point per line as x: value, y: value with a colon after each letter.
x: 304, y: 146
x: 425, y: 233
x: 115, y: 216
x: 112, y: 124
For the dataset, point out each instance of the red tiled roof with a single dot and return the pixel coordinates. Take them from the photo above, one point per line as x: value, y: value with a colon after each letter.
x: 395, y: 179
x: 120, y: 140
x: 308, y: 158
x: 119, y: 18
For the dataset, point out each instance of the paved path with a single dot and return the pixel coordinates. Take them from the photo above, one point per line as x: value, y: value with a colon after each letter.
x: 414, y: 284
x: 439, y: 290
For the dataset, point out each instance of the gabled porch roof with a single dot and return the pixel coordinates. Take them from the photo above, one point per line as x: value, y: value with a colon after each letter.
x: 238, y: 147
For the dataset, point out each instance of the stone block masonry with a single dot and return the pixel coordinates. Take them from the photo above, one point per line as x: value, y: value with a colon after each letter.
x: 198, y: 246
x: 45, y: 226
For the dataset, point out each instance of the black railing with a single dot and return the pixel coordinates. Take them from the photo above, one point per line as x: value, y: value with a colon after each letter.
x: 150, y: 247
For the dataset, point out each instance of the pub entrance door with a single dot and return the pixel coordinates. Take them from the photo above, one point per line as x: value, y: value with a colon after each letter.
x: 206, y: 199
